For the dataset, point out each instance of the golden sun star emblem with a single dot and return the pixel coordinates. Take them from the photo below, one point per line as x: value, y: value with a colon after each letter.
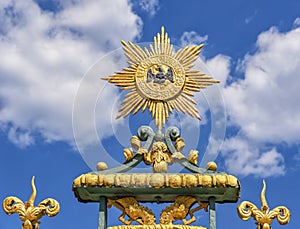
x: 160, y: 80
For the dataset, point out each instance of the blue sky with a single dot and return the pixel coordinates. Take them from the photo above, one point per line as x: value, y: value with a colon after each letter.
x: 53, y: 54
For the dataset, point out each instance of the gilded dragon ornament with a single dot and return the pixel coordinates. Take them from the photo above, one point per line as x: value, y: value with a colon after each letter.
x: 131, y: 208
x: 179, y: 210
x: 263, y: 217
x: 28, y: 213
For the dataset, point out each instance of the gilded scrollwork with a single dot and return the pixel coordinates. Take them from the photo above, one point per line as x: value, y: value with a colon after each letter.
x: 181, y: 209
x: 131, y: 208
x: 263, y: 217
x: 28, y: 213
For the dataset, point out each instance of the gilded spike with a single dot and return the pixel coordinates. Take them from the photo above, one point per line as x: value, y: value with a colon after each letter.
x: 263, y: 216
x: 30, y: 214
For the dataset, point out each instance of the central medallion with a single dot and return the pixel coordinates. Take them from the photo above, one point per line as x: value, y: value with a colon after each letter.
x: 160, y: 78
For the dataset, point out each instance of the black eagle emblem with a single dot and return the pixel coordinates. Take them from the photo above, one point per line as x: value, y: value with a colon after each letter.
x: 160, y: 77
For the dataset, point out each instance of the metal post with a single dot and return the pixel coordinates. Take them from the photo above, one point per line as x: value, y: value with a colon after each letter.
x: 212, y: 213
x: 102, y: 213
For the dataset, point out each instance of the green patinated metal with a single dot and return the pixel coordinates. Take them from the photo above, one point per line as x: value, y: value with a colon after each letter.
x: 164, y: 194
x: 212, y: 213
x: 102, y: 213
x: 94, y: 194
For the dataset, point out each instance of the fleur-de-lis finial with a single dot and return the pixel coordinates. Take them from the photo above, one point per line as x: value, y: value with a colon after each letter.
x: 263, y: 217
x: 29, y: 213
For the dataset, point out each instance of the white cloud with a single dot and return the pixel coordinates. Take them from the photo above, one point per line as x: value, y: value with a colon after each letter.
x: 45, y: 55
x: 149, y: 6
x: 20, y: 138
x: 265, y: 104
x: 219, y: 67
x: 243, y: 158
x: 192, y: 38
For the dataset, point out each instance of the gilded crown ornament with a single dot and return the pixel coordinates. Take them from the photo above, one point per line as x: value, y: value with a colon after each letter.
x: 160, y: 80
x: 28, y: 213
x: 263, y: 217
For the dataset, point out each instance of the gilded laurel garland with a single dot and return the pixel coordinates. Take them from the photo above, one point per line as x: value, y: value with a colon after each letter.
x: 28, y: 213
x: 264, y: 216
x: 160, y: 80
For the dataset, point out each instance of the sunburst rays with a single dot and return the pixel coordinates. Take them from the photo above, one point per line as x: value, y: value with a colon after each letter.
x: 160, y: 80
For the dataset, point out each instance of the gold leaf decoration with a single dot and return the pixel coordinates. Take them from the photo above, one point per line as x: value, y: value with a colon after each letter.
x: 160, y: 80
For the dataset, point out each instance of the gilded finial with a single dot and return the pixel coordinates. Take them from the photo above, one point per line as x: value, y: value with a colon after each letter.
x: 29, y: 213
x: 263, y: 217
x: 160, y: 79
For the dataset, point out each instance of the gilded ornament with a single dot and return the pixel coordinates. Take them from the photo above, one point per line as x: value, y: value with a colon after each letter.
x: 77, y: 182
x: 206, y: 181
x: 128, y: 153
x: 135, y: 142
x: 179, y: 144
x: 157, y: 180
x: 157, y: 226
x: 159, y: 157
x: 263, y: 217
x: 193, y: 156
x: 160, y: 80
x: 221, y: 180
x: 101, y: 166
x: 232, y: 180
x: 175, y: 181
x: 123, y: 180
x: 211, y: 166
x: 191, y: 180
x: 130, y: 207
x: 140, y: 180
x: 180, y: 209
x: 91, y: 180
x: 109, y: 180
x: 28, y: 213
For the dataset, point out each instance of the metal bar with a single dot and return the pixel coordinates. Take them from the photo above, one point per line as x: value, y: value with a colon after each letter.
x: 212, y: 213
x: 102, y: 213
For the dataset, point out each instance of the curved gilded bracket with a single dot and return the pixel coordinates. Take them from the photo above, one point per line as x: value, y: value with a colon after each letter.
x: 263, y: 216
x: 27, y: 212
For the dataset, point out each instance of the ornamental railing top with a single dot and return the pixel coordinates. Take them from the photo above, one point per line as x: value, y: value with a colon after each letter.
x: 161, y: 80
